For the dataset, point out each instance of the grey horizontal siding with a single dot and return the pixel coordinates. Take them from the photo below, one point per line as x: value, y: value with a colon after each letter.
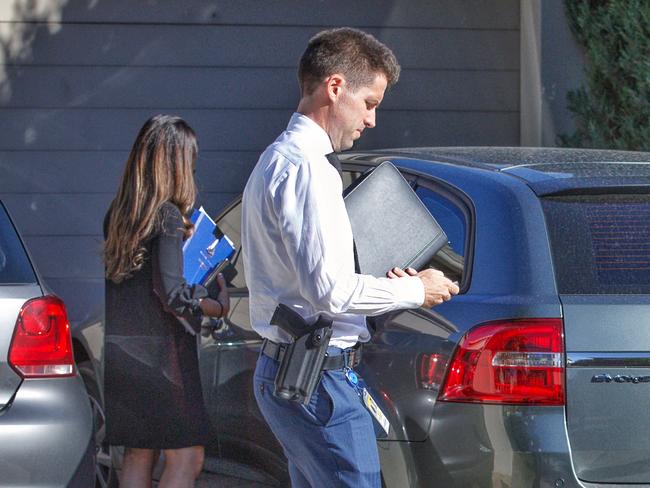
x: 51, y: 215
x: 236, y: 88
x: 413, y: 13
x: 244, y: 130
x: 254, y: 46
x: 61, y: 172
x: 64, y: 257
x: 115, y: 129
x: 404, y: 128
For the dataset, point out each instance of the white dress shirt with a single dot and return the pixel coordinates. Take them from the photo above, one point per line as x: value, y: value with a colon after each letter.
x: 297, y: 242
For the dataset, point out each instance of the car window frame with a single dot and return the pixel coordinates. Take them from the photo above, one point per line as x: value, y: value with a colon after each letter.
x: 458, y: 198
x: 234, y: 291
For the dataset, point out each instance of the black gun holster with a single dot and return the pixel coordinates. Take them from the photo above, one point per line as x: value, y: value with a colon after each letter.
x: 301, y: 365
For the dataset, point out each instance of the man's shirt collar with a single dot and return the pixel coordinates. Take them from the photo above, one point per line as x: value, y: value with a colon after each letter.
x: 316, y: 136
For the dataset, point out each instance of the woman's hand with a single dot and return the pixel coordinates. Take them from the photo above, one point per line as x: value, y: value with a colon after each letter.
x: 223, y: 297
x: 220, y: 306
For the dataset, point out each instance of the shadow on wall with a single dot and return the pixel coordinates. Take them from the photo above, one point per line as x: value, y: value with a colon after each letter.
x: 17, y: 33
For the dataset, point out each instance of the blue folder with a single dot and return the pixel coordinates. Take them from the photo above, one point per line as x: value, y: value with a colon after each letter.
x: 207, y: 250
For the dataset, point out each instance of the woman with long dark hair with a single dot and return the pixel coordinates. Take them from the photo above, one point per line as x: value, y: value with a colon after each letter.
x: 152, y: 387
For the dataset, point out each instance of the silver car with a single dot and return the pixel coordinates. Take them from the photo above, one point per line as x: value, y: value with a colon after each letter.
x: 46, y: 426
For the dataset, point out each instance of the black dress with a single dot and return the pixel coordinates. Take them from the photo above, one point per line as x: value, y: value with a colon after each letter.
x: 152, y: 386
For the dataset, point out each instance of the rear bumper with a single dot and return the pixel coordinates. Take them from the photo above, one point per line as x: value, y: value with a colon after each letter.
x: 485, y: 446
x: 46, y: 435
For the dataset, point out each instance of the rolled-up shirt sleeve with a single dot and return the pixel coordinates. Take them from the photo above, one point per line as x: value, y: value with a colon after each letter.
x: 316, y: 231
x: 177, y: 296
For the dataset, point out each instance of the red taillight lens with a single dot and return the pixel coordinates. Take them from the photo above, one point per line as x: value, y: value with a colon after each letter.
x: 431, y: 370
x: 516, y: 362
x: 41, y: 345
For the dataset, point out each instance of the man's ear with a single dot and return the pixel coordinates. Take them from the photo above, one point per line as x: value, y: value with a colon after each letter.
x: 335, y: 84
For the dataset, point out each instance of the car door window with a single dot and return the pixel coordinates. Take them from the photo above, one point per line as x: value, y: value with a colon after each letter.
x: 448, y: 215
x: 350, y: 176
x: 237, y: 324
x: 453, y: 220
x: 230, y: 224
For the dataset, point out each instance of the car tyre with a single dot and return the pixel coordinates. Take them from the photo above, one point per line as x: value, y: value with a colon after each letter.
x: 105, y: 474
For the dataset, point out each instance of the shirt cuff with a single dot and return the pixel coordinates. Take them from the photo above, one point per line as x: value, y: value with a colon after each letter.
x: 410, y: 291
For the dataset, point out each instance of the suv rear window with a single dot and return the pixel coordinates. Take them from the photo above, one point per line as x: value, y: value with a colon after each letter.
x: 15, y: 267
x: 600, y: 243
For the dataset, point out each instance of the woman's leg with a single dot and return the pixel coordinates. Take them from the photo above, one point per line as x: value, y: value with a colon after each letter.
x: 136, y: 468
x: 182, y: 467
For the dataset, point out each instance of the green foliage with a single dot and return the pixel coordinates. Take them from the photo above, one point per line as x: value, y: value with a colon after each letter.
x: 613, y: 110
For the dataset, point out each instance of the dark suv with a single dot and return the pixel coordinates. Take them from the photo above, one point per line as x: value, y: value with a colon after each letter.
x: 537, y: 373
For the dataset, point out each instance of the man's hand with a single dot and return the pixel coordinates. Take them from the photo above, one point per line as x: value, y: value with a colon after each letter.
x: 437, y: 288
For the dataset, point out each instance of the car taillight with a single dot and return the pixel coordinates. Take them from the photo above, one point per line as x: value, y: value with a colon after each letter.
x: 513, y: 362
x: 41, y: 345
x: 431, y: 370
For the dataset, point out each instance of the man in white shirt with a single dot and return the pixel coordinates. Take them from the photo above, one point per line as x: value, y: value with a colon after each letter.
x: 298, y: 250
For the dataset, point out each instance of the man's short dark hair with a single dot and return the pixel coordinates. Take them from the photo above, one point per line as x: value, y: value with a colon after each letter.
x: 355, y: 54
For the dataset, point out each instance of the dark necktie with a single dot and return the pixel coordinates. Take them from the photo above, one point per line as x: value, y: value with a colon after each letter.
x: 334, y: 161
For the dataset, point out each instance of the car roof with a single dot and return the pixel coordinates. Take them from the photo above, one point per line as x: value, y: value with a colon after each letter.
x: 546, y: 170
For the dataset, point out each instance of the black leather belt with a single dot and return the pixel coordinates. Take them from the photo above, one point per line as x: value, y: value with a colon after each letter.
x: 350, y: 357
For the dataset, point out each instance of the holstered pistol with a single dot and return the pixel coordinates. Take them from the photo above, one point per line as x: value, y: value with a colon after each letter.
x: 302, y: 363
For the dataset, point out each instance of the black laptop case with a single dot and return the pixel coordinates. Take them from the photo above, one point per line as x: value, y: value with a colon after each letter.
x: 390, y: 224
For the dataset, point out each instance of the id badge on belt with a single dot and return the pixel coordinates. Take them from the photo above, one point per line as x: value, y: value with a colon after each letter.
x: 368, y: 401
